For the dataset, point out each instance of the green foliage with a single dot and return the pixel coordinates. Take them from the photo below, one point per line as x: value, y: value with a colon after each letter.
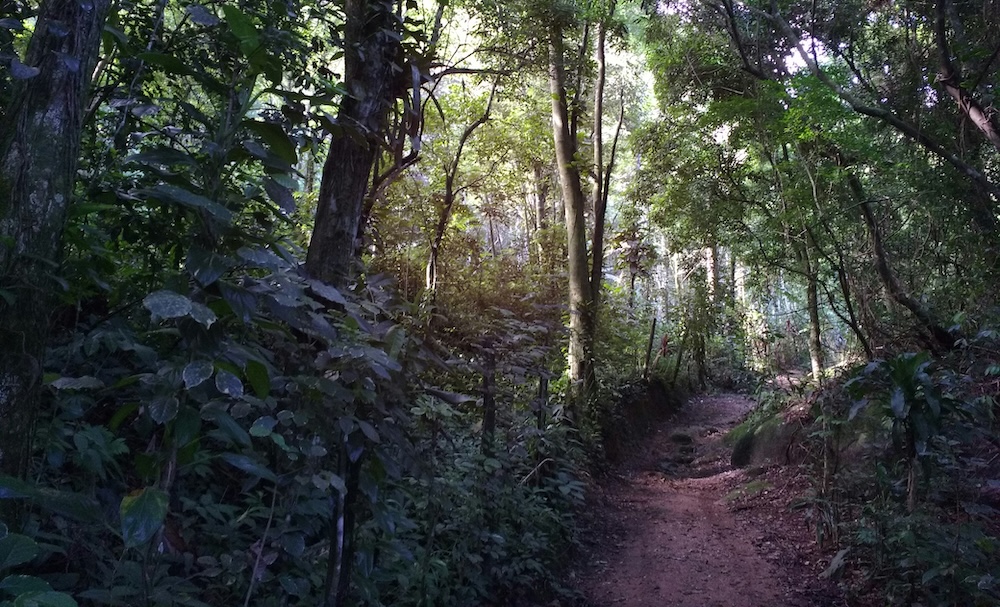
x: 25, y: 590
x: 913, y: 405
x: 211, y: 416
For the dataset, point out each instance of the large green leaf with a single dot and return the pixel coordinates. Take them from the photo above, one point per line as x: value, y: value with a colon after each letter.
x: 45, y: 599
x: 227, y: 426
x: 259, y: 379
x: 249, y: 465
x: 76, y: 506
x: 20, y: 584
x: 167, y: 304
x: 163, y: 408
x: 203, y: 315
x: 170, y: 193
x: 196, y: 373
x: 142, y: 514
x: 16, y: 549
x: 168, y: 62
x: 243, y: 28
x: 229, y: 384
x: 275, y: 137
x: 206, y: 266
x: 263, y: 426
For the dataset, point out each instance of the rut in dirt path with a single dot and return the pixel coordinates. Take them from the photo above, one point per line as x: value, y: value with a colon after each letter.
x: 671, y: 540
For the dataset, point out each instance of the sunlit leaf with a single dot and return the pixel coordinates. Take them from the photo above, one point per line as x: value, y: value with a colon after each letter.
x: 196, y: 373
x: 228, y: 384
x: 202, y: 16
x: 167, y: 304
x: 243, y: 28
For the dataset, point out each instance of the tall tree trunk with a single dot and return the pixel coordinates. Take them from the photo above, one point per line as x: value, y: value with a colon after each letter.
x: 372, y: 51
x: 39, y: 150
x: 598, y: 199
x: 581, y: 365
x: 602, y: 174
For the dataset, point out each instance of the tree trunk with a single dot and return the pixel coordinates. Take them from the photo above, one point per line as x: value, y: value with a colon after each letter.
x: 888, y: 277
x: 581, y: 365
x: 599, y: 202
x: 951, y: 79
x: 541, y: 212
x: 450, y: 195
x: 372, y: 52
x: 812, y: 303
x: 39, y: 150
x: 602, y: 174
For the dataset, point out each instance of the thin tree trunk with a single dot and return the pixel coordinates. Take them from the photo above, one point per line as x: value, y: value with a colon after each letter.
x: 39, y: 150
x: 888, y: 277
x: 649, y: 349
x: 372, y: 46
x: 541, y: 211
x: 812, y: 304
x: 581, y: 332
x: 450, y: 194
x: 599, y: 202
x: 600, y: 214
x: 344, y: 516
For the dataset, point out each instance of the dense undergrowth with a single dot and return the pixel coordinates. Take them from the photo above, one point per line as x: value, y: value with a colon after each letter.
x: 249, y: 436
x: 218, y: 443
x: 906, y: 480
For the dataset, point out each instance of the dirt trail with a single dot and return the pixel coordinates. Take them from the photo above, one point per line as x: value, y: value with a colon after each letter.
x: 673, y: 530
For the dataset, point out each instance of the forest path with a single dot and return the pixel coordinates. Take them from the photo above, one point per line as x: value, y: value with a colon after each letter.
x: 675, y: 526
